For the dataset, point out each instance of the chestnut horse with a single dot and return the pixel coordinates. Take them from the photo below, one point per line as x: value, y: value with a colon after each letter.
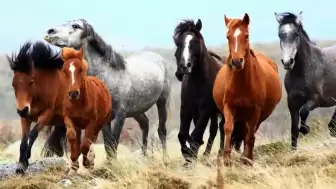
x: 87, y: 105
x: 39, y: 89
x: 247, y: 88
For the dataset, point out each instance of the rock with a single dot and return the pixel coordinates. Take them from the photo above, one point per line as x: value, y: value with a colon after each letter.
x: 65, y: 183
x: 38, y: 166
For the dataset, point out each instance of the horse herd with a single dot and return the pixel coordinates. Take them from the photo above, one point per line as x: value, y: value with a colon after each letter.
x: 88, y: 84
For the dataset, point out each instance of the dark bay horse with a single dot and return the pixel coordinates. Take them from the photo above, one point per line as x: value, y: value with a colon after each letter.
x: 213, y: 119
x: 310, y: 77
x: 87, y: 105
x: 247, y: 88
x: 36, y: 69
x: 200, y: 69
x: 135, y: 83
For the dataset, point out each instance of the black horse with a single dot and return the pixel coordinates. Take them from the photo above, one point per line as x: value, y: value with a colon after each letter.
x: 199, y: 68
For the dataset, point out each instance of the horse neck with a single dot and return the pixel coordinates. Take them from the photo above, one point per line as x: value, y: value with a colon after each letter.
x: 302, y: 57
x: 204, y: 67
x: 246, y: 75
x: 105, y: 51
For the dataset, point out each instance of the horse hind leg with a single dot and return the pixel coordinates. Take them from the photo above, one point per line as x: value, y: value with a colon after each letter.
x: 162, y: 130
x: 143, y: 121
x: 212, y: 134
x: 332, y: 125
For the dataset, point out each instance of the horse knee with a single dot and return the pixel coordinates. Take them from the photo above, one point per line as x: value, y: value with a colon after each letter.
x: 71, y: 135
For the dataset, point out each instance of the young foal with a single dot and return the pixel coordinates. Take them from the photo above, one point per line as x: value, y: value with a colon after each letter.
x: 35, y: 70
x: 246, y: 89
x: 87, y: 106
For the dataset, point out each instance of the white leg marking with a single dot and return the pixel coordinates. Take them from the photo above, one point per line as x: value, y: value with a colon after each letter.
x: 236, y: 34
x: 72, y: 70
x: 186, y: 52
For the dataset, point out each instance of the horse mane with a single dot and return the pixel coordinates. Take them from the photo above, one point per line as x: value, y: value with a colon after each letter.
x: 215, y: 55
x: 290, y: 18
x: 184, y: 26
x: 21, y: 62
x: 109, y: 55
x: 44, y: 57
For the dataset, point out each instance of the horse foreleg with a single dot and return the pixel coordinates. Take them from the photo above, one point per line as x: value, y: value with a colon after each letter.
x: 332, y: 125
x: 72, y: 138
x: 43, y: 120
x: 221, y: 133
x: 228, y: 129
x: 293, y: 107
x: 89, y: 138
x: 212, y: 134
x: 118, y: 125
x: 197, y: 133
x: 143, y: 121
x: 23, y: 160
x: 304, y: 112
x: 186, y: 116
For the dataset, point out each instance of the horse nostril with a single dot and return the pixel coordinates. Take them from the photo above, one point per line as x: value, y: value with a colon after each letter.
x: 23, y: 112
x: 282, y: 61
x: 76, y: 93
x: 51, y: 31
x: 189, y: 65
x: 70, y: 93
x: 241, y: 60
x: 291, y: 61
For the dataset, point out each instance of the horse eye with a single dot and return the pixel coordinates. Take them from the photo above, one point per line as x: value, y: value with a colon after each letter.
x: 227, y: 37
x: 75, y: 26
x: 31, y: 83
x: 247, y: 36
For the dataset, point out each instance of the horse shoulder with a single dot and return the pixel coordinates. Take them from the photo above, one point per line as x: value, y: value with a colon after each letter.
x: 103, y: 99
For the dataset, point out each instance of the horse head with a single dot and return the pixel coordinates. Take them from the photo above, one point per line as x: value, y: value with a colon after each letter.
x: 238, y: 40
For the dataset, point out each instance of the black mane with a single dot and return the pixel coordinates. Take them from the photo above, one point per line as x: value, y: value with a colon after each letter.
x: 38, y: 55
x: 44, y: 58
x: 114, y: 59
x: 184, y: 26
x: 290, y: 18
x: 21, y: 62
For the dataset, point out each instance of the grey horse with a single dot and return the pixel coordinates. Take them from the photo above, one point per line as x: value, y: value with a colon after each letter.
x: 311, y: 73
x: 135, y: 83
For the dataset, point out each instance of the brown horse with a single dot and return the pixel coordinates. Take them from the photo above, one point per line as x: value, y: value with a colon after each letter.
x: 246, y: 89
x: 87, y: 105
x: 39, y: 88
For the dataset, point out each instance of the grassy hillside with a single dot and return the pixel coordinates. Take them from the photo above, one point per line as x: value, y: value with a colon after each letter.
x: 313, y: 166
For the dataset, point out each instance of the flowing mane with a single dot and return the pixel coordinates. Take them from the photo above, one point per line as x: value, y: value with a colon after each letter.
x: 184, y: 26
x: 21, y: 62
x: 109, y: 55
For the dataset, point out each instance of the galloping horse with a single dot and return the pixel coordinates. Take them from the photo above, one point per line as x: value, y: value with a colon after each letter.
x: 213, y: 119
x: 35, y: 70
x: 87, y: 106
x: 135, y: 83
x: 247, y: 88
x: 310, y: 77
x: 200, y: 69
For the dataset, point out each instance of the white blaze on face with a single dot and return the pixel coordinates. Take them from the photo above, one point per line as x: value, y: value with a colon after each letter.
x: 72, y: 70
x: 236, y: 34
x: 186, y: 51
x: 286, y: 28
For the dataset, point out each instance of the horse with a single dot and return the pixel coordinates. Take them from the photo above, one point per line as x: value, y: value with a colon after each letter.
x: 35, y: 70
x: 309, y: 80
x: 213, y: 119
x: 247, y: 88
x: 87, y: 105
x: 199, y: 68
x: 135, y: 83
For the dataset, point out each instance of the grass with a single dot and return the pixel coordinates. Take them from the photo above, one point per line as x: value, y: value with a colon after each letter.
x: 275, y: 167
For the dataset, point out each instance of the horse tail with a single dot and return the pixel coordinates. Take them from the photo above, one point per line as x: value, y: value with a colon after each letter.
x: 171, y: 103
x: 56, y: 142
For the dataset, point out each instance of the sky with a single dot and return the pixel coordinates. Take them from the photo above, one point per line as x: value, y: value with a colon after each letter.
x: 134, y: 24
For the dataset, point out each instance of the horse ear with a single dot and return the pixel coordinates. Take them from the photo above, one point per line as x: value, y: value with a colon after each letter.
x: 227, y: 20
x: 199, y: 25
x: 299, y: 18
x: 246, y: 19
x: 81, y: 52
x: 278, y: 17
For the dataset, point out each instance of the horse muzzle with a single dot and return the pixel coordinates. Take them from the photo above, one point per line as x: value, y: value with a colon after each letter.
x: 24, y: 112
x: 74, y: 94
x: 288, y: 64
x: 237, y: 63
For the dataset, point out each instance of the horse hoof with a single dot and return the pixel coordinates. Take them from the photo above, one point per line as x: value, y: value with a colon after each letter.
x: 304, y: 129
x: 246, y: 161
x: 227, y: 162
x: 71, y: 171
x: 21, y: 168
